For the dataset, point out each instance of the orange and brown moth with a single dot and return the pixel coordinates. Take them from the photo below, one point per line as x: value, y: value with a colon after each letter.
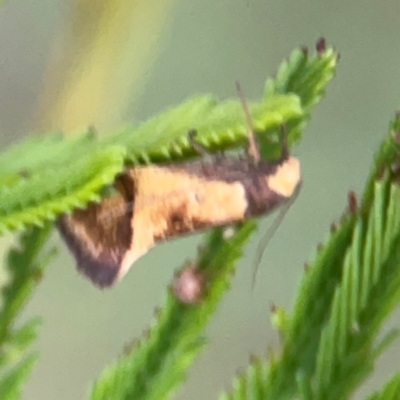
x: 151, y: 204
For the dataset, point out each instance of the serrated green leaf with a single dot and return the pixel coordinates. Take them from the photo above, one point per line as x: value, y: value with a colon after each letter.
x: 368, y: 292
x: 43, y: 196
x: 18, y: 341
x: 25, y: 263
x: 219, y: 126
x: 25, y: 269
x: 37, y: 152
x: 384, y: 157
x: 11, y: 383
x: 305, y: 75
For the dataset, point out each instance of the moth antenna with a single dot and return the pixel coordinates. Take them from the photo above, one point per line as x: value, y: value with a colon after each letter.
x: 263, y: 243
x: 252, y: 149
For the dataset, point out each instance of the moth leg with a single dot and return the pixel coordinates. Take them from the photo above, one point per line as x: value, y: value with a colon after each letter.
x: 199, y: 148
x: 284, y: 143
x: 252, y: 148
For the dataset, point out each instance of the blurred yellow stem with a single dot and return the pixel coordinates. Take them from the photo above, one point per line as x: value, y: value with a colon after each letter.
x: 105, y: 53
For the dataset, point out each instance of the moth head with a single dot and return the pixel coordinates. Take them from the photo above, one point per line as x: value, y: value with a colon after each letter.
x: 286, y: 178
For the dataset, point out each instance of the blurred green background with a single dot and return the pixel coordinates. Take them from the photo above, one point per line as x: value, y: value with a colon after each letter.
x: 192, y: 47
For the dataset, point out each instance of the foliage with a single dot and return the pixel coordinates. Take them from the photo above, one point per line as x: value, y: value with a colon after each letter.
x: 329, y: 340
x: 25, y: 267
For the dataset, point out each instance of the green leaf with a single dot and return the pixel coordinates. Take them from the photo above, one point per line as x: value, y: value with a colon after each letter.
x: 47, y: 193
x: 219, y: 126
x: 391, y: 390
x: 361, y: 301
x: 25, y: 270
x: 384, y: 158
x: 37, y: 152
x: 307, y: 76
x: 18, y: 341
x: 11, y: 383
x: 25, y: 264
x: 303, y: 327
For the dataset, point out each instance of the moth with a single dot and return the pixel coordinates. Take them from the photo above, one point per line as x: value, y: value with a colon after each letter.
x: 154, y: 203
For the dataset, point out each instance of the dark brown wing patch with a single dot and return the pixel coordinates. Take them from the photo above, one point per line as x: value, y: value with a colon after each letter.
x: 100, y: 236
